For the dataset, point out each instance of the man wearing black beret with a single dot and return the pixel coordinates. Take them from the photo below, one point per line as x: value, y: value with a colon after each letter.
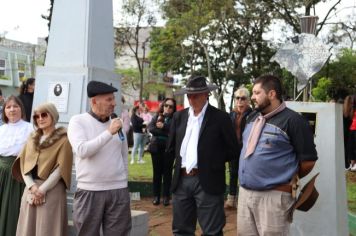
x: 102, y: 196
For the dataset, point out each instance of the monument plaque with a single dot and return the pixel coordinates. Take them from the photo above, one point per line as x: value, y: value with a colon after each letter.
x: 58, y: 95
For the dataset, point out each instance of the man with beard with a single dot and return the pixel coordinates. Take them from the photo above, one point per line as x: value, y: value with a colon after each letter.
x: 277, y: 145
x: 102, y: 196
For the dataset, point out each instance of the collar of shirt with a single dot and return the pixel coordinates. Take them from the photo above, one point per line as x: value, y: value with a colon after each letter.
x: 200, y: 115
x: 97, y: 117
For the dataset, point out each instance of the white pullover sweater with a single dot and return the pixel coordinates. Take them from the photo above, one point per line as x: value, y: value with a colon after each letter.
x: 100, y: 158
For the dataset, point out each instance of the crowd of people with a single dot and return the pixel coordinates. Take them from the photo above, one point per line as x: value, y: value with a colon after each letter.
x: 189, y: 150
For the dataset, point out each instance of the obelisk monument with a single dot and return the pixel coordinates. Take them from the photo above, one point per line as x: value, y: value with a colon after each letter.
x: 80, y: 49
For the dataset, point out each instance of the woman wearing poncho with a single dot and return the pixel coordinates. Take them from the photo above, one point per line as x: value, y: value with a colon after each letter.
x: 13, y: 135
x: 45, y: 165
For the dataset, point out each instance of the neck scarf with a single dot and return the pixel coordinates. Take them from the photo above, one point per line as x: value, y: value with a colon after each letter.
x: 257, y: 129
x: 189, y: 148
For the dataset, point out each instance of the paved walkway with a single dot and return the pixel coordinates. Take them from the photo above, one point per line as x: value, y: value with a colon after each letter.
x: 160, y: 218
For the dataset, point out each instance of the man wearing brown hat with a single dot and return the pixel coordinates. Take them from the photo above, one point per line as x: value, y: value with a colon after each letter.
x: 102, y: 196
x: 201, y: 140
x: 277, y: 145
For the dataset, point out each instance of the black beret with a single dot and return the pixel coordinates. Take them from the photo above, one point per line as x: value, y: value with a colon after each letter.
x: 96, y: 87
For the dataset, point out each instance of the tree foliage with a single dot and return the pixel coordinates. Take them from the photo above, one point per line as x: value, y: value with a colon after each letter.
x: 213, y: 38
x: 129, y: 33
x: 49, y: 17
x: 320, y: 93
x: 225, y: 39
x: 342, y: 76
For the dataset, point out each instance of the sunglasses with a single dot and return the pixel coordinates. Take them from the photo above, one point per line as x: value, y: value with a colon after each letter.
x: 43, y: 115
x: 167, y: 105
x: 241, y: 98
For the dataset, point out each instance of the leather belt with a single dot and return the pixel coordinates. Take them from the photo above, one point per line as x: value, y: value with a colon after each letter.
x: 193, y: 172
x: 284, y: 188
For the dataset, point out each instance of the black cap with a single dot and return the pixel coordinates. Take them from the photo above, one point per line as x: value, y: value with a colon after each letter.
x: 96, y: 87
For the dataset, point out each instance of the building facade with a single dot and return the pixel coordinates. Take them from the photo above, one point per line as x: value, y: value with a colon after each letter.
x: 18, y: 62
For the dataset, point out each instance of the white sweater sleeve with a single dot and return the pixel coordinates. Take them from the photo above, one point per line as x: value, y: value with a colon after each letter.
x: 51, y: 181
x: 82, y: 147
x: 28, y: 180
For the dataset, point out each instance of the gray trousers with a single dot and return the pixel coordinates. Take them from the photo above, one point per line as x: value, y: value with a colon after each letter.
x: 191, y: 203
x: 109, y: 208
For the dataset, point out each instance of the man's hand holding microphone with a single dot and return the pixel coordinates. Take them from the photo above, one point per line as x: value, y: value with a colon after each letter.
x: 116, y: 126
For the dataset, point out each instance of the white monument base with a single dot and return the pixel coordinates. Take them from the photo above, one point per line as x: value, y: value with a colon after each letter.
x: 329, y: 214
x: 139, y: 223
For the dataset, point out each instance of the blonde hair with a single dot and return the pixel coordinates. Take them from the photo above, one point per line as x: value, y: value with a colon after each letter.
x: 244, y: 91
x: 50, y: 108
x: 349, y: 106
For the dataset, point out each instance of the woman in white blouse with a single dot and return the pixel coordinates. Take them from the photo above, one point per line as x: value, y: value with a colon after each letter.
x: 13, y: 135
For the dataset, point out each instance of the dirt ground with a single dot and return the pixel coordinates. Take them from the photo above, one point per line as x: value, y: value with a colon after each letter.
x: 160, y: 218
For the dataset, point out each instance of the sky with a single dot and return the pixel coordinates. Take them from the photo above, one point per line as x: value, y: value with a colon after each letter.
x: 21, y: 19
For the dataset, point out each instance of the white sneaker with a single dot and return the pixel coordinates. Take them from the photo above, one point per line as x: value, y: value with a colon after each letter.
x: 141, y: 162
x: 353, y: 168
x: 132, y: 162
x: 349, y: 168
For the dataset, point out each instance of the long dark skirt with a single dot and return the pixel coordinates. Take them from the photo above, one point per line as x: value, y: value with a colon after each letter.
x: 10, y: 197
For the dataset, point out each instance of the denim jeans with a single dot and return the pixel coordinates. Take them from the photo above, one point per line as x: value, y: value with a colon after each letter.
x: 138, y: 145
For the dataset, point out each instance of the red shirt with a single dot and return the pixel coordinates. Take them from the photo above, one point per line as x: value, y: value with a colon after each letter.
x: 353, y: 124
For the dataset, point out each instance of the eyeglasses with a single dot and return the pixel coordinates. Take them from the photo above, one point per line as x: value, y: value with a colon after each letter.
x: 169, y: 106
x: 43, y: 115
x: 241, y: 98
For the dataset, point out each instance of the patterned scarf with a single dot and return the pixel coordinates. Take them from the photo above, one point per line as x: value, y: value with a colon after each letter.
x: 257, y: 129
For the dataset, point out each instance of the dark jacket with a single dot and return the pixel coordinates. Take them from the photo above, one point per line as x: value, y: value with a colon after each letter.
x: 159, y: 136
x: 217, y: 145
x: 233, y: 115
x: 137, y: 124
x: 27, y: 100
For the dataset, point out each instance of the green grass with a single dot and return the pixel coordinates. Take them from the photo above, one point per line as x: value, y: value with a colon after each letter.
x: 141, y: 172
x: 351, y: 191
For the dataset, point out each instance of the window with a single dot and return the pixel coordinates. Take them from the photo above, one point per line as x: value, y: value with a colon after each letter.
x: 2, y: 67
x: 21, y: 70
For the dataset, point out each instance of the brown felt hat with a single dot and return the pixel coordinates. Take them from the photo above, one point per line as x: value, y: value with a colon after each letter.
x: 308, y: 196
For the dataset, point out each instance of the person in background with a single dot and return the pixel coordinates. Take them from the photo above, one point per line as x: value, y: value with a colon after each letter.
x: 147, y: 117
x: 350, y: 113
x: 27, y: 90
x: 161, y: 162
x: 202, y: 140
x: 2, y: 100
x: 238, y: 117
x: 45, y: 165
x: 139, y: 132
x: 101, y: 157
x: 278, y: 146
x: 125, y: 116
x: 347, y: 120
x: 13, y: 135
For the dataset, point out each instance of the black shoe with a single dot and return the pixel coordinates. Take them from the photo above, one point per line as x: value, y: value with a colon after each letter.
x: 155, y: 201
x: 166, y: 201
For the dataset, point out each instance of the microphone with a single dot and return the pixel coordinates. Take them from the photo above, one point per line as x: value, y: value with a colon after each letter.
x: 120, y: 133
